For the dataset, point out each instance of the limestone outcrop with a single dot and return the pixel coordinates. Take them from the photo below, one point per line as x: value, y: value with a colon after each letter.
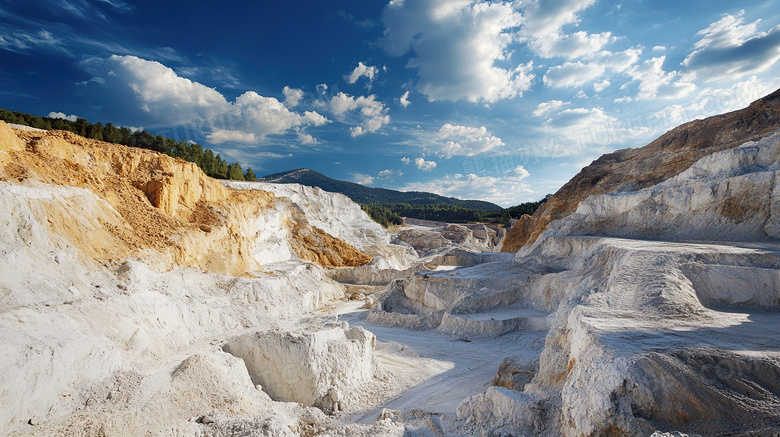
x: 663, y: 309
x: 662, y: 159
x: 433, y: 238
x: 123, y: 274
x: 142, y: 203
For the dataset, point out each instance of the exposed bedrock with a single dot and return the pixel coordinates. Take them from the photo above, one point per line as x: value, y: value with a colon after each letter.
x: 322, y: 368
x: 632, y: 169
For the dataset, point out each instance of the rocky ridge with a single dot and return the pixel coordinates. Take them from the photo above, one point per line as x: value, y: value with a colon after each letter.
x: 662, y: 159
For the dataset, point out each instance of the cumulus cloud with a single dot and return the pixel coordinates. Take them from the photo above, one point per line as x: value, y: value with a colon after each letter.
x: 362, y: 70
x: 422, y: 164
x: 261, y: 116
x: 292, y: 96
x: 544, y: 21
x: 601, y: 86
x: 404, y: 100
x: 570, y: 46
x: 156, y: 93
x: 507, y: 190
x: 386, y: 174
x: 546, y: 17
x: 575, y: 74
x: 406, y: 160
x: 373, y: 113
x: 460, y: 48
x: 62, y: 116
x: 306, y: 139
x: 655, y: 83
x: 578, y: 118
x: 153, y: 94
x: 362, y: 178
x: 728, y: 48
x: 546, y: 107
x: 518, y: 173
x: 465, y: 140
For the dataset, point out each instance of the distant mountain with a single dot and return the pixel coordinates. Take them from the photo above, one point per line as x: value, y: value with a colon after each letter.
x: 362, y: 194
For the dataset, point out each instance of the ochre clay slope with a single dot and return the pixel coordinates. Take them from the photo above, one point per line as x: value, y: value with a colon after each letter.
x: 146, y: 204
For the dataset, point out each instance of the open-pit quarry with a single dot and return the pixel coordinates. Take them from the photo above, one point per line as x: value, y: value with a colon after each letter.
x: 140, y: 297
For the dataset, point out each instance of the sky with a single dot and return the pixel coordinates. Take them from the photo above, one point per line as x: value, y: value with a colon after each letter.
x: 501, y: 101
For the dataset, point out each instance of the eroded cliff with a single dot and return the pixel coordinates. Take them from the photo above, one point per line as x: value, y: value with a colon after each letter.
x: 145, y: 204
x: 662, y: 159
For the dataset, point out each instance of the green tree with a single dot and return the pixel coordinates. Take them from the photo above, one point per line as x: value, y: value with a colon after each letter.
x: 111, y: 134
x: 250, y: 175
x: 234, y: 172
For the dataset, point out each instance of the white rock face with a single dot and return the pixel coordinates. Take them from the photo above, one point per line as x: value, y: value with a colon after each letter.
x: 649, y: 333
x: 86, y: 342
x: 334, y: 213
x: 323, y: 368
x: 727, y: 196
x: 434, y: 238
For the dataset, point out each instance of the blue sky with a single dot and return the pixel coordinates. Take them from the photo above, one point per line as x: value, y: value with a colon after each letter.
x: 501, y: 101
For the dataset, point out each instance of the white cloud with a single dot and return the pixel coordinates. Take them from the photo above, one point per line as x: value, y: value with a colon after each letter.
x: 659, y: 48
x: 465, y: 140
x: 518, y: 173
x: 385, y: 174
x: 404, y: 100
x: 578, y: 118
x: 62, y: 116
x: 155, y: 95
x: 655, y: 83
x: 362, y: 70
x: 508, y: 190
x: 601, y: 86
x: 570, y: 46
x: 373, y: 113
x: 306, y: 139
x: 575, y: 74
x: 729, y: 49
x: 292, y: 96
x: 543, y: 18
x: 580, y: 95
x: 406, y: 160
x: 362, y: 178
x: 219, y: 136
x: 457, y: 46
x: 18, y: 40
x: 422, y: 164
x: 713, y: 101
x: 546, y: 107
x: 542, y: 29
x: 120, y: 5
x: 262, y: 116
x: 593, y: 126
